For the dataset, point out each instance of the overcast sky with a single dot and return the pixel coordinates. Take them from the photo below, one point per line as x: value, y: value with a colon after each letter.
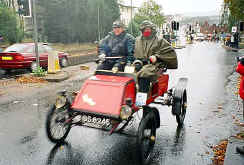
x: 186, y: 6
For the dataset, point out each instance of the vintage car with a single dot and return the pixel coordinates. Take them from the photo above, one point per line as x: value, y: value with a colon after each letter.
x: 22, y: 56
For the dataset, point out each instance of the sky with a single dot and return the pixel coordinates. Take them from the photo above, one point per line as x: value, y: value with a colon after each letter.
x: 186, y: 6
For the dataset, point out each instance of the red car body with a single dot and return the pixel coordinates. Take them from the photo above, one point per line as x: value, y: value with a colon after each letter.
x: 105, y: 94
x: 22, y: 55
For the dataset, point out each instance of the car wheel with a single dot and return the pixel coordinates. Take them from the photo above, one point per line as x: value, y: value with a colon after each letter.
x: 33, y: 66
x: 64, y: 62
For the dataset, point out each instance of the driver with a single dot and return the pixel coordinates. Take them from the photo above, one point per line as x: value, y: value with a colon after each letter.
x: 117, y: 43
x: 154, y: 53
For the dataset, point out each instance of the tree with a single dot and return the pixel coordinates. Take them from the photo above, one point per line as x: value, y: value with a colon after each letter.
x: 152, y: 11
x: 149, y: 10
x: 236, y: 8
x: 135, y: 28
x: 10, y: 25
x: 76, y: 20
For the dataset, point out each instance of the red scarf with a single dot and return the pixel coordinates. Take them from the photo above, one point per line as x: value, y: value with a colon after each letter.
x: 146, y: 33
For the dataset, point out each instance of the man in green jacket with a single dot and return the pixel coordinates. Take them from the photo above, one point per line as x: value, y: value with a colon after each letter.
x: 155, y: 54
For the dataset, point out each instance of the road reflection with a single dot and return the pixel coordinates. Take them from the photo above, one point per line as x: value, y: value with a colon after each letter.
x: 63, y: 154
x: 179, y: 141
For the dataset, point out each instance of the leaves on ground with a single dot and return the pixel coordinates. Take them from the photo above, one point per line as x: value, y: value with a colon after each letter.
x: 219, y: 152
x: 239, y: 136
x: 30, y: 79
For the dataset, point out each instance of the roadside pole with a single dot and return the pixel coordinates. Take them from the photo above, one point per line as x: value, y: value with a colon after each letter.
x: 35, y: 34
x: 131, y: 30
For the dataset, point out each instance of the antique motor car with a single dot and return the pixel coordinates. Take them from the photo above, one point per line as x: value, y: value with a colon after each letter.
x: 110, y: 99
x: 22, y: 56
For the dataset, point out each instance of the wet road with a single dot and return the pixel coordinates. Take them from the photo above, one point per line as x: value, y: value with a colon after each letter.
x: 209, y: 69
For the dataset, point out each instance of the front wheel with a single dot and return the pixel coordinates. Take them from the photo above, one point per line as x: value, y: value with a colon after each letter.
x: 33, y: 67
x: 57, y: 127
x: 64, y: 62
x: 146, y: 137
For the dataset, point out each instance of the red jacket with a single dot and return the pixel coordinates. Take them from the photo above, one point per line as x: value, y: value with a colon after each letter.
x: 240, y: 69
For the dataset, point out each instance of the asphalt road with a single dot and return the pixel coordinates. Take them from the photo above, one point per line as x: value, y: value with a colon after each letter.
x: 211, y: 84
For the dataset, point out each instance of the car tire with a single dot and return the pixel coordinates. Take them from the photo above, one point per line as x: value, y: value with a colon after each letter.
x: 64, y: 62
x: 33, y: 66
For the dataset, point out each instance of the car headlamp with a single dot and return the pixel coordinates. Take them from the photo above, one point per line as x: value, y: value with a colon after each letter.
x: 115, y: 69
x: 60, y: 101
x: 125, y: 112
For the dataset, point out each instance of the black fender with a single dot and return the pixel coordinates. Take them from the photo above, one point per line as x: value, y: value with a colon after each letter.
x: 147, y: 109
x: 179, y: 92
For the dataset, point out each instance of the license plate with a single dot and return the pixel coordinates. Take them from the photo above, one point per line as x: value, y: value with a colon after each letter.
x: 141, y: 99
x: 129, y: 69
x: 95, y: 121
x: 7, y: 58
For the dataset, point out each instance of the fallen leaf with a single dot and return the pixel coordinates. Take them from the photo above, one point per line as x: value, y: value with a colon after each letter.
x: 220, y: 107
x: 30, y: 79
x: 84, y: 67
x: 219, y: 152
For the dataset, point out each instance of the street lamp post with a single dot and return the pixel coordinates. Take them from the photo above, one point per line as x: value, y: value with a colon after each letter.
x: 131, y: 30
x: 35, y: 34
x: 98, y: 22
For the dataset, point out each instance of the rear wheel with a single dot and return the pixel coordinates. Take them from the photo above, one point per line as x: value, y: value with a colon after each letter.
x: 182, y: 104
x: 146, y: 137
x: 57, y: 127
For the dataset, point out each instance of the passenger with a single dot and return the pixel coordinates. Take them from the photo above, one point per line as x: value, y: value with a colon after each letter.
x: 117, y: 43
x: 158, y: 50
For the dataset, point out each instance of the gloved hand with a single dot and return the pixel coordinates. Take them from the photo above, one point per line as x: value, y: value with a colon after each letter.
x: 138, y: 67
x: 101, y: 56
x: 153, y: 59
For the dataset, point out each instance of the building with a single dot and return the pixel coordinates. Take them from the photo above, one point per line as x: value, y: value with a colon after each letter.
x: 127, y: 11
x: 24, y: 10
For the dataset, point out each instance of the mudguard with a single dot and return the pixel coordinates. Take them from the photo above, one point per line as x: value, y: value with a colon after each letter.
x: 178, y: 94
x: 147, y: 109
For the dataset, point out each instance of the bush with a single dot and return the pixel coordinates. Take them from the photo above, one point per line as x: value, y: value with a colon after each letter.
x: 10, y: 25
x: 39, y: 72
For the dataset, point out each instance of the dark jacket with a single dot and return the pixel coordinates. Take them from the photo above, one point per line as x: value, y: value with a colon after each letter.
x: 122, y: 45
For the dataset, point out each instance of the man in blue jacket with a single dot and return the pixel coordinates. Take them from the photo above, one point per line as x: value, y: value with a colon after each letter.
x: 117, y: 43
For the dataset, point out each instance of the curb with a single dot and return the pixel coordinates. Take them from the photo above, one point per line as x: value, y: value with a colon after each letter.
x: 63, y: 75
x: 231, y: 49
x: 231, y: 156
x: 75, y: 60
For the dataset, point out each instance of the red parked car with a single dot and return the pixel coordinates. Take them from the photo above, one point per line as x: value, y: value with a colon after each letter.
x: 22, y: 56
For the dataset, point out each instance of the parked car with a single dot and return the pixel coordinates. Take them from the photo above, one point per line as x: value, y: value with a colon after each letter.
x: 199, y: 37
x: 22, y: 56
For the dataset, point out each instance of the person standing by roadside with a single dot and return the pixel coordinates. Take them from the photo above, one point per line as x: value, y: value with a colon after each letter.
x: 236, y: 40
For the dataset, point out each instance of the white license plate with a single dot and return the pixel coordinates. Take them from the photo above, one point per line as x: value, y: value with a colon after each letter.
x: 129, y: 69
x: 141, y: 99
x: 95, y: 121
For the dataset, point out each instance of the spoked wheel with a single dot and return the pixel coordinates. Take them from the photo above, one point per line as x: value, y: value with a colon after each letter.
x: 64, y: 62
x: 33, y: 67
x: 146, y: 137
x: 56, y: 127
x: 182, y: 104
